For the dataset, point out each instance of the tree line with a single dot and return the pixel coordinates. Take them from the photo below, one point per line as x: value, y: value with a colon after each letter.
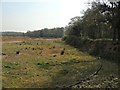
x: 47, y: 33
x: 12, y: 33
x: 44, y: 33
x: 100, y: 21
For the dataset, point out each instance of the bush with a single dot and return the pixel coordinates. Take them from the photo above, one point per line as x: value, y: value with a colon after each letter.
x: 73, y: 40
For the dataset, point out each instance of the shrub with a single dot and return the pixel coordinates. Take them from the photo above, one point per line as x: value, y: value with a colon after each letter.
x: 73, y: 40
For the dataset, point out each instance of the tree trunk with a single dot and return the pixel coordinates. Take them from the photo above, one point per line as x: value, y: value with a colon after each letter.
x: 118, y: 35
x: 114, y: 35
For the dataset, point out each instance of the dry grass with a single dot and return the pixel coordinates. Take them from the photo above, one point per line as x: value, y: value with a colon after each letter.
x: 39, y: 63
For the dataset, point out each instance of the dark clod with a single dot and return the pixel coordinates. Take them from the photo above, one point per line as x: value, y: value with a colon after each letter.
x: 23, y: 42
x: 17, y: 52
x: 53, y: 46
x: 62, y: 52
x: 38, y: 63
x: 33, y: 48
x: 47, y: 63
x: 3, y: 54
x: 37, y: 75
x: 6, y: 66
x: 54, y: 55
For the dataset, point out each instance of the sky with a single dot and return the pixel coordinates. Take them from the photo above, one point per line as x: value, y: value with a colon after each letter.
x: 24, y: 15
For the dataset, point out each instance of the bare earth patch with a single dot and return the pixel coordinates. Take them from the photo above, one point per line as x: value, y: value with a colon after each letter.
x: 11, y: 41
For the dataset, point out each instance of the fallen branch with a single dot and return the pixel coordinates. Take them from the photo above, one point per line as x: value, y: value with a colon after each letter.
x: 81, y: 81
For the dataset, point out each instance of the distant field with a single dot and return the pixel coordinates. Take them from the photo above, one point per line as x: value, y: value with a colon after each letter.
x: 36, y: 62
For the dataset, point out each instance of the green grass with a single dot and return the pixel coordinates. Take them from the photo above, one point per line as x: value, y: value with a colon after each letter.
x: 40, y: 64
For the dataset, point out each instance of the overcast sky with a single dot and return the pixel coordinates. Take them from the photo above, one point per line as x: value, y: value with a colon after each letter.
x: 24, y: 15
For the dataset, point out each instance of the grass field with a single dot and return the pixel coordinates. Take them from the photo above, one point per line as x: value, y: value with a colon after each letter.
x: 44, y: 63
